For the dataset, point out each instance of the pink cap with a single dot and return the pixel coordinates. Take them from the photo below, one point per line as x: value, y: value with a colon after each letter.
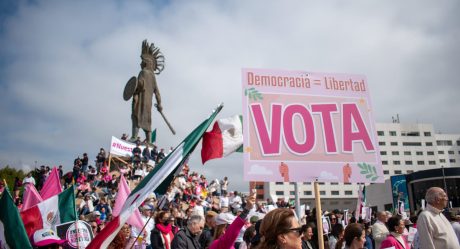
x: 45, y: 237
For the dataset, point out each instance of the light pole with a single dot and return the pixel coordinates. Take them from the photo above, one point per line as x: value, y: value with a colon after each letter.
x: 444, y: 178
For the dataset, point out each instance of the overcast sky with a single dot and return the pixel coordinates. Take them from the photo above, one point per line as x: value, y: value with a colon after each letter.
x: 64, y: 64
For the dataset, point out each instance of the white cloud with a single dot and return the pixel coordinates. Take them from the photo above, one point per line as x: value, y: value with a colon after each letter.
x: 324, y: 175
x: 259, y: 170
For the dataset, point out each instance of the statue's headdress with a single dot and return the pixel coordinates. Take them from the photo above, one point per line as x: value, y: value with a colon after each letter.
x: 154, y: 54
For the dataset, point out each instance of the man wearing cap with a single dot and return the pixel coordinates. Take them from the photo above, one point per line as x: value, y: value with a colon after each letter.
x: 46, y: 238
x: 146, y: 213
x: 188, y: 238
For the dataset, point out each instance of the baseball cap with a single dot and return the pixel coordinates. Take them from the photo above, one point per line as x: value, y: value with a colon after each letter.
x: 254, y: 219
x: 224, y: 218
x: 97, y: 213
x: 146, y: 207
x: 45, y: 237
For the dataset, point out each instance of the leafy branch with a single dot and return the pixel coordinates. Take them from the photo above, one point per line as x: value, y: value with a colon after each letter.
x: 369, y: 171
x: 253, y: 94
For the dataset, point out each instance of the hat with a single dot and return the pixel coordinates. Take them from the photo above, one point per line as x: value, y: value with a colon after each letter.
x: 45, y: 237
x: 224, y: 218
x: 97, y: 213
x: 254, y: 219
x: 146, y: 207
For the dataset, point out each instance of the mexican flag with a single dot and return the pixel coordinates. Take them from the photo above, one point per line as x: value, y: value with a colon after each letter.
x: 12, y: 231
x: 51, y: 212
x: 158, y: 178
x: 225, y: 138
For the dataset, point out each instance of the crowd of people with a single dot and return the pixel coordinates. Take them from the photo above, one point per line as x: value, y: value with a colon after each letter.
x: 195, y: 213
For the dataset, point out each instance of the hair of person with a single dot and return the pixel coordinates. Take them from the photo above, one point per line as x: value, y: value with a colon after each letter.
x: 219, y: 230
x: 393, y: 222
x: 352, y: 231
x: 337, y: 229
x: 276, y: 222
x: 432, y: 194
x: 159, y: 216
x: 194, y: 219
x: 249, y: 234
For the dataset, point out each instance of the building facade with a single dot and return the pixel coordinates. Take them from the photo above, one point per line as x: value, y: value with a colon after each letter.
x: 404, y: 149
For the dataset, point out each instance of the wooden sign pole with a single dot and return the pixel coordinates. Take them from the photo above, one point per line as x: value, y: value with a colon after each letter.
x: 319, y: 219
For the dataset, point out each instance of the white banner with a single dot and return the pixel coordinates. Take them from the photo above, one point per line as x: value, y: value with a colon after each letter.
x: 122, y: 148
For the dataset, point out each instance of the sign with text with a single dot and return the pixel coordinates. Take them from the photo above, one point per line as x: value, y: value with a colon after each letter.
x: 78, y: 234
x: 301, y: 126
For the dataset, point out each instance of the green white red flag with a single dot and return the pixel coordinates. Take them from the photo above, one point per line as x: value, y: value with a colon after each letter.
x: 12, y: 231
x: 160, y: 175
x: 51, y: 212
x: 225, y: 138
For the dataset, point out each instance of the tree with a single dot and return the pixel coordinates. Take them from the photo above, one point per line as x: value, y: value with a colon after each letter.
x: 9, y: 174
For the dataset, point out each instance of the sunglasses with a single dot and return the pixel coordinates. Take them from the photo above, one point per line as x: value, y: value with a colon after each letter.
x: 297, y: 230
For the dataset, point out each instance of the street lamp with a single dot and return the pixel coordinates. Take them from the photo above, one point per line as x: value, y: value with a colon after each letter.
x: 444, y: 178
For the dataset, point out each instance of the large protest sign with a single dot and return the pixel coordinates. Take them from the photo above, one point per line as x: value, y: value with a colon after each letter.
x: 302, y: 126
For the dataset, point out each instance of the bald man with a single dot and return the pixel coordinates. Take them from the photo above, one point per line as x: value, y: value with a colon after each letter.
x: 434, y: 229
x: 379, y: 229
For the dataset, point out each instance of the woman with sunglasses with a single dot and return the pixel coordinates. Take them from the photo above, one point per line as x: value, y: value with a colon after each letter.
x: 280, y: 229
x: 228, y: 227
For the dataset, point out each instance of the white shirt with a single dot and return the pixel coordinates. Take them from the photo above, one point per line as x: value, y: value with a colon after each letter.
x: 223, y: 201
x: 236, y: 202
x: 135, y: 231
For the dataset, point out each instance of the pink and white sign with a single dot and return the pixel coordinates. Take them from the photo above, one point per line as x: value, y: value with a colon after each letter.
x: 302, y: 126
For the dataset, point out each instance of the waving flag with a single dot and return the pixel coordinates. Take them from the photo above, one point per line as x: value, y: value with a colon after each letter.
x: 51, y: 212
x: 52, y: 185
x: 160, y: 176
x: 225, y: 138
x: 123, y: 193
x: 12, y: 231
x: 31, y: 197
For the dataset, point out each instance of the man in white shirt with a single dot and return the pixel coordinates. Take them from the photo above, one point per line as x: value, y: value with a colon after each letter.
x: 236, y: 201
x: 434, y: 229
x: 224, y: 203
x: 379, y: 229
x: 29, y: 179
x: 146, y: 213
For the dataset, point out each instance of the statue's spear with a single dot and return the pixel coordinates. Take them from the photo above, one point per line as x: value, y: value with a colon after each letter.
x: 166, y: 120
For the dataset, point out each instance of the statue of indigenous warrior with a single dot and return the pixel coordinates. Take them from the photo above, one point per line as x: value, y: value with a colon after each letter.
x: 142, y: 90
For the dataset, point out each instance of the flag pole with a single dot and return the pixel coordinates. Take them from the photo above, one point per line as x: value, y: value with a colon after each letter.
x: 319, y: 219
x: 150, y: 217
x: 76, y: 217
x: 110, y: 160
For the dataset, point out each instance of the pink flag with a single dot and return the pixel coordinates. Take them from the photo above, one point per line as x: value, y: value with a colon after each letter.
x: 123, y: 192
x: 52, y: 185
x: 31, y: 197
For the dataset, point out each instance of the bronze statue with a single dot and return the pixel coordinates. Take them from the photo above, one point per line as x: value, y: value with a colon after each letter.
x: 142, y: 90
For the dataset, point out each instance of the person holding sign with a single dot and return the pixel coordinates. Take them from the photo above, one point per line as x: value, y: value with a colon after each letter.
x: 228, y: 226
